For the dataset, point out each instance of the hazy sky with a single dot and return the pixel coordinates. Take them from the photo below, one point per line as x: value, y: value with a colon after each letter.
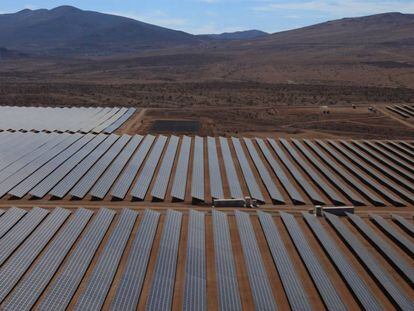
x: 216, y: 16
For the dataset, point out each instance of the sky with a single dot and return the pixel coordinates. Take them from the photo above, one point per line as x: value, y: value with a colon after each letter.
x: 217, y: 16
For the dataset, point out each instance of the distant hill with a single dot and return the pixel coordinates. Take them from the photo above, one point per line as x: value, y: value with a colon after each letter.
x: 68, y: 30
x: 387, y: 28
x: 10, y: 54
x: 238, y: 35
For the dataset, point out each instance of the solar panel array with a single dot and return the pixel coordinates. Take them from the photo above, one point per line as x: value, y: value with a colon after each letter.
x: 73, y: 119
x: 198, y: 170
x: 135, y: 259
x: 404, y: 111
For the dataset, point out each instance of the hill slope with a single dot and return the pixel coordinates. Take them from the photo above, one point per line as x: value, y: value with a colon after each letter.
x: 66, y: 30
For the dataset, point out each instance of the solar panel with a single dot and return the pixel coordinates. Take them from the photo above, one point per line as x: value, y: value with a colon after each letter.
x: 21, y: 260
x: 162, y: 287
x: 403, y: 223
x: 61, y: 291
x: 357, y: 185
x: 180, y: 178
x: 258, y: 279
x: 319, y: 182
x: 118, y: 123
x: 318, y: 274
x: 106, y: 181
x: 17, y: 172
x: 29, y: 289
x: 197, y: 177
x: 339, y: 185
x: 67, y: 183
x: 57, y: 175
x: 401, y: 149
x: 228, y: 289
x: 390, y: 156
x: 362, y: 176
x: 104, y: 271
x: 348, y: 273
x: 216, y: 184
x: 195, y: 290
x: 376, y: 271
x: 254, y: 189
x: 29, y: 183
x: 292, y: 284
x: 293, y: 193
x: 374, y: 174
x: 19, y: 232
x: 124, y: 182
x: 403, y: 178
x: 306, y: 187
x: 393, y: 234
x: 274, y: 193
x: 232, y: 178
x: 9, y: 219
x: 144, y: 180
x: 161, y: 183
x: 384, y: 248
x: 130, y: 287
x: 96, y: 171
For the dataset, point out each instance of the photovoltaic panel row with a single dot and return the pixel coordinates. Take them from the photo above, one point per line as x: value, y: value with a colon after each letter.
x: 9, y: 219
x: 162, y: 285
x: 197, y: 177
x: 228, y: 288
x: 62, y: 289
x: 349, y: 274
x: 159, y: 188
x: 401, y: 265
x: 33, y: 180
x: 251, y: 182
x: 300, y: 179
x: 400, y: 177
x: 317, y: 272
x: 291, y: 190
x: 216, y: 184
x: 104, y: 184
x: 144, y: 180
x: 57, y: 175
x: 118, y: 123
x: 274, y: 193
x: 318, y: 181
x: 99, y: 283
x: 195, y: 288
x: 130, y: 288
x: 394, y: 234
x: 89, y: 179
x: 124, y: 182
x: 401, y: 149
x: 20, y: 231
x: 21, y: 260
x: 374, y: 174
x: 258, y: 277
x: 380, y: 275
x: 232, y: 178
x: 29, y: 289
x: 70, y: 180
x: 73, y: 119
x: 347, y: 177
x: 360, y: 175
x: 181, y: 172
x: 404, y: 224
x: 339, y: 185
x: 292, y: 284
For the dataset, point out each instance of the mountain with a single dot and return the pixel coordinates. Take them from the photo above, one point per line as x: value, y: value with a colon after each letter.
x: 387, y: 28
x: 68, y: 30
x: 10, y: 54
x: 238, y: 35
